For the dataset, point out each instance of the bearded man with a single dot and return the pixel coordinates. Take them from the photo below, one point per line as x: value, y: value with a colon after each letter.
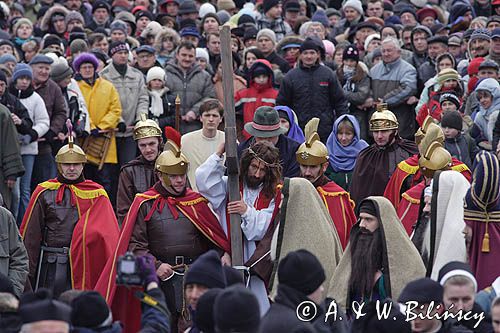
x: 312, y: 156
x: 138, y: 175
x: 375, y: 164
x: 69, y: 228
x: 379, y: 259
x: 260, y: 174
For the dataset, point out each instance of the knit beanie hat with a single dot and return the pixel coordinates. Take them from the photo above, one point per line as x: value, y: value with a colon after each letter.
x: 456, y: 268
x: 236, y: 309
x: 205, y: 9
x: 77, y: 46
x: 7, y: 57
x: 60, y: 71
x: 351, y: 52
x: 20, y: 21
x: 452, y: 119
x: 74, y: 16
x: 207, y: 271
x: 423, y: 291
x: 85, y: 58
x: 244, y: 19
x: 450, y: 97
x: 22, y: 70
x: 268, y: 4
x: 204, y: 318
x: 302, y: 271
x: 233, y: 276
x: 52, y: 40
x: 226, y: 5
x: 312, y: 43
x: 202, y: 53
x: 117, y: 46
x: 447, y: 74
x: 480, y: 33
x: 155, y: 73
x: 355, y: 4
x: 118, y: 25
x: 267, y: 33
x: 320, y: 16
x: 89, y: 310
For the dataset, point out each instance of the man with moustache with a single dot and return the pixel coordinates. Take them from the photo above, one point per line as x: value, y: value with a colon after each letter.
x: 379, y: 259
x: 69, y: 228
x: 260, y: 174
x: 172, y: 223
x: 479, y: 43
x: 376, y: 164
x: 312, y: 156
x: 138, y: 175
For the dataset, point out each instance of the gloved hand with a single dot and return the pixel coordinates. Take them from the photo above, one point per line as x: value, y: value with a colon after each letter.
x: 95, y: 132
x: 49, y: 136
x: 24, y: 139
x: 122, y: 127
x: 33, y: 135
x: 147, y: 267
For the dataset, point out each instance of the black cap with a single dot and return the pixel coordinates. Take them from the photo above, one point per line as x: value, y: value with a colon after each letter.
x: 207, y: 271
x: 292, y: 6
x: 438, y: 27
x: 456, y: 268
x: 423, y: 291
x: 250, y: 33
x: 40, y: 306
x: 312, y: 43
x: 438, y: 39
x: 204, y: 318
x: 89, y: 310
x: 100, y: 4
x: 236, y: 309
x: 302, y: 271
x: 233, y: 276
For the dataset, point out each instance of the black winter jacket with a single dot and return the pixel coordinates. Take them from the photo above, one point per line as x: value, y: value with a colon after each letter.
x: 313, y: 92
x: 16, y: 107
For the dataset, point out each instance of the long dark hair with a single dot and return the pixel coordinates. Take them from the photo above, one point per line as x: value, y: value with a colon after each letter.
x: 267, y: 153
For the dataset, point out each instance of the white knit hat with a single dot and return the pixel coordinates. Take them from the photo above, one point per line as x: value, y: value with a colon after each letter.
x: 369, y: 39
x: 205, y: 9
x: 155, y: 73
x: 356, y: 4
x: 267, y: 33
x: 202, y: 53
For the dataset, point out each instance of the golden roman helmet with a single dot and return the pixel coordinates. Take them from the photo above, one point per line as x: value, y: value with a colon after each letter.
x: 423, y: 129
x: 313, y: 151
x: 146, y: 128
x: 435, y: 158
x: 70, y: 153
x: 434, y: 133
x: 171, y: 162
x: 383, y: 119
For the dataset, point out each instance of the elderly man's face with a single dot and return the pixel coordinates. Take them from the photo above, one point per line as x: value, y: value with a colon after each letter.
x: 390, y: 53
x: 265, y: 45
x: 479, y: 48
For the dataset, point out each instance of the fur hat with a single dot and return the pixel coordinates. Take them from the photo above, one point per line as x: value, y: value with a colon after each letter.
x: 74, y: 16
x: 83, y: 59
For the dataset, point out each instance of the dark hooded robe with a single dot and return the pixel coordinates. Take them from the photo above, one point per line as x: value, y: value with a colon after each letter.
x: 375, y: 165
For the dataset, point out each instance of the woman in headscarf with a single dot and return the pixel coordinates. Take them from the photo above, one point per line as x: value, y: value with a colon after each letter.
x: 289, y: 120
x: 344, y: 145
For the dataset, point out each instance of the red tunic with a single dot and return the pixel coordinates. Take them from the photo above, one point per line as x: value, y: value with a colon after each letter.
x: 95, y: 234
x: 124, y: 305
x: 409, y: 167
x: 341, y: 209
x: 409, y: 206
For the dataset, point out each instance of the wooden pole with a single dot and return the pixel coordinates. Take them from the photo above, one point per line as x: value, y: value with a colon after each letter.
x: 178, y: 113
x: 232, y: 161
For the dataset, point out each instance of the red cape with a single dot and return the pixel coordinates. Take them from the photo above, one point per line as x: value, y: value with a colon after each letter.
x: 124, y: 305
x: 95, y: 234
x: 341, y: 209
x: 409, y: 167
x: 409, y: 206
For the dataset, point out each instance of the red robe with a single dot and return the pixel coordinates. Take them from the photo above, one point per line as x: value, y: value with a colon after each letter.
x: 341, y: 209
x: 124, y: 305
x: 95, y: 234
x: 409, y: 167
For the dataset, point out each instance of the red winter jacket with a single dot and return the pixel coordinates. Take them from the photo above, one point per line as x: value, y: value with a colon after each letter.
x: 249, y: 99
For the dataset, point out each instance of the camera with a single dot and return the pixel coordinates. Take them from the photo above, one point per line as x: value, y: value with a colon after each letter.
x: 127, y: 271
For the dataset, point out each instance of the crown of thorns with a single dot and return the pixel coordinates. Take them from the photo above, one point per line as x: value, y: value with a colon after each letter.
x: 267, y: 164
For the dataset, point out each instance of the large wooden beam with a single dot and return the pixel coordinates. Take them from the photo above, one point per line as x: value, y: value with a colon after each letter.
x: 232, y: 161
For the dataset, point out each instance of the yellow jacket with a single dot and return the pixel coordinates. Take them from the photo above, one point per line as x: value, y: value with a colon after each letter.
x: 103, y: 103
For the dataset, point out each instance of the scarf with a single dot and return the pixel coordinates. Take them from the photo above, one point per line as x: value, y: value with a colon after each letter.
x: 21, y: 41
x: 156, y: 107
x: 343, y: 159
x: 294, y: 132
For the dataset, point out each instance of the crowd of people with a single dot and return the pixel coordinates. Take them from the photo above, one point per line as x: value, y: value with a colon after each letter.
x: 367, y: 136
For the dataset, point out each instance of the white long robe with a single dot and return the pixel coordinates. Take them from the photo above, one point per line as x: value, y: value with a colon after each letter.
x: 212, y: 184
